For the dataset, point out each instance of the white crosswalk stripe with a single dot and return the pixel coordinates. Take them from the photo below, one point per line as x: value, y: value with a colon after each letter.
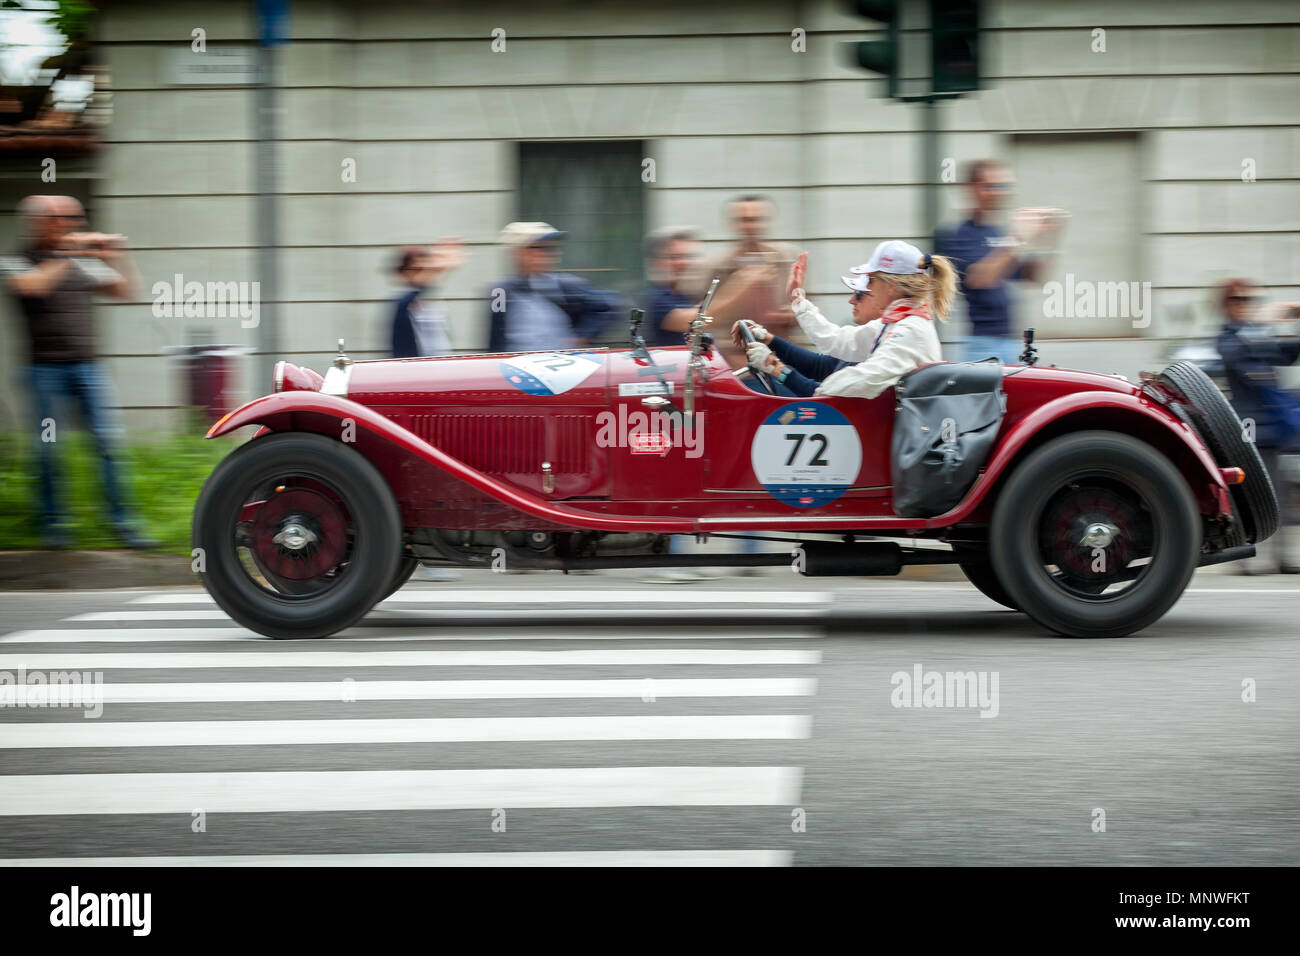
x: 644, y: 597
x: 359, y: 657
x: 705, y: 742
x: 368, y: 690
x: 257, y: 733
x: 162, y: 635
x: 367, y: 790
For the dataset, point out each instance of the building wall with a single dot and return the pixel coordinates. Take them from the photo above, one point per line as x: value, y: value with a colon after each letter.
x: 414, y: 94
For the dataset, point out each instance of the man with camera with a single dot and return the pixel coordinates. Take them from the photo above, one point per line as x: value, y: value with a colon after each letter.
x: 53, y: 279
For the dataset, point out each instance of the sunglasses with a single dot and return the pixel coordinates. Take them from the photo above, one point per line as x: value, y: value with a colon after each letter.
x: 1243, y: 298
x: 858, y: 297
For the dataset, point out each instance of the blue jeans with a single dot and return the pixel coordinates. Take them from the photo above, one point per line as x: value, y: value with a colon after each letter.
x: 978, y: 347
x: 84, y: 385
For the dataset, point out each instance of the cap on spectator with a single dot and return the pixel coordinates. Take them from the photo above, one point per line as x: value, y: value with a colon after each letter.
x: 896, y: 257
x: 526, y: 233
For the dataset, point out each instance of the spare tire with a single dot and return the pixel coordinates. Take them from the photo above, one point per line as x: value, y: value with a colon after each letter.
x: 1220, y: 429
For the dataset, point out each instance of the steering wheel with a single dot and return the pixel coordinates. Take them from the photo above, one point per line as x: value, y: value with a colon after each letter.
x: 763, y: 378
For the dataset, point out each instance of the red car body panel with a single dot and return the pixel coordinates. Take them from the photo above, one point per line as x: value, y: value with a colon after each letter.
x: 463, y: 443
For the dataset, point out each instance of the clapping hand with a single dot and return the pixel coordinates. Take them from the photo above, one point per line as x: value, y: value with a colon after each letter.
x: 446, y: 255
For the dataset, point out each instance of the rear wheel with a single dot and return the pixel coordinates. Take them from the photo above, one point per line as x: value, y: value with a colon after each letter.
x: 1095, y: 534
x: 300, y: 535
x: 979, y: 572
x: 1254, y: 500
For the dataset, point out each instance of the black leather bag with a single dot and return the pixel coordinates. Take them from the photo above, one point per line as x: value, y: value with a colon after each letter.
x: 945, y: 424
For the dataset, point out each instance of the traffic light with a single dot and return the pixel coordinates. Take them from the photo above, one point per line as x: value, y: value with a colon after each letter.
x: 879, y: 56
x: 954, y: 46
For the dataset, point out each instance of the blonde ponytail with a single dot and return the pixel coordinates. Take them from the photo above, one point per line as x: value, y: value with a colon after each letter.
x: 943, y: 286
x: 936, y: 286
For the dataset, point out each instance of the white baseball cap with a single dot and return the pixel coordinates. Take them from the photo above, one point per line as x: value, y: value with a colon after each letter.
x: 859, y: 281
x: 895, y: 257
x: 527, y: 233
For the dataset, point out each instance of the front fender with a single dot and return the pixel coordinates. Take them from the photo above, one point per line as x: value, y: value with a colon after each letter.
x: 277, y: 412
x: 1014, y: 441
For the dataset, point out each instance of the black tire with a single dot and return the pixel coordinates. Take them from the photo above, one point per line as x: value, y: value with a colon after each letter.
x: 1255, y: 499
x: 405, y: 568
x: 1162, y: 525
x: 374, y: 551
x: 979, y: 572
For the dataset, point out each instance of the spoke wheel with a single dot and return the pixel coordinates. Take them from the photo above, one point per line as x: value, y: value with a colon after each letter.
x: 300, y: 535
x: 1095, y: 534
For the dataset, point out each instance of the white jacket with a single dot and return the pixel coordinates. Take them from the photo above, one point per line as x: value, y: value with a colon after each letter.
x: 907, y: 340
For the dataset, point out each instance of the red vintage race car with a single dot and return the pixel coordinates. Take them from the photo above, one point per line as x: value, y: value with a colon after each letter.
x: 1081, y: 499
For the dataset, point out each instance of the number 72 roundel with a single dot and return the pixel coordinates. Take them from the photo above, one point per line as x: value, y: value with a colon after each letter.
x: 806, y: 454
x: 549, y: 373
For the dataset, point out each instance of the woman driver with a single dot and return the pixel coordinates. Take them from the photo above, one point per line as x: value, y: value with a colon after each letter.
x: 895, y: 299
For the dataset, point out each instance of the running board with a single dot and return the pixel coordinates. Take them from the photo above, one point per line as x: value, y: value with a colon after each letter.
x: 810, y: 558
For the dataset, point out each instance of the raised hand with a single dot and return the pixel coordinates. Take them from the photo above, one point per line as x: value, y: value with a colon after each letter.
x: 447, y: 254
x: 798, y: 272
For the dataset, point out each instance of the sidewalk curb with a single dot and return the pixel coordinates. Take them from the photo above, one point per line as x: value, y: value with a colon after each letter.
x: 91, y: 570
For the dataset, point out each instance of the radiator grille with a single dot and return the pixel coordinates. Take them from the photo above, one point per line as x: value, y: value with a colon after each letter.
x: 512, y: 444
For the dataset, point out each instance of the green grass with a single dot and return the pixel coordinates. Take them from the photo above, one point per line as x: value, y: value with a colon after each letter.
x: 164, y: 478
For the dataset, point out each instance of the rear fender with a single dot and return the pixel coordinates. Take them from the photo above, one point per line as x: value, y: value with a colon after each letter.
x: 331, y: 416
x: 1145, y: 420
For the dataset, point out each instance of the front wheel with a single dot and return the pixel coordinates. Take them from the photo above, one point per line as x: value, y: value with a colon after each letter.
x: 300, y: 535
x: 405, y: 568
x: 1095, y: 534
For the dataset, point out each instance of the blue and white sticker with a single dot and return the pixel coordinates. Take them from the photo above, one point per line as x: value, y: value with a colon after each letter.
x: 806, y: 454
x: 549, y: 373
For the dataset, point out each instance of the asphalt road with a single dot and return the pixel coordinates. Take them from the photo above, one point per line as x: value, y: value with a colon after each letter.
x: 598, y: 719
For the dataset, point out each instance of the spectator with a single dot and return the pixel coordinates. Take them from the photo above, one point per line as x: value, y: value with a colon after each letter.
x: 1251, y: 351
x: 419, y: 321
x: 537, y: 308
x: 753, y: 271
x: 53, y: 279
x: 987, y: 259
x: 670, y: 252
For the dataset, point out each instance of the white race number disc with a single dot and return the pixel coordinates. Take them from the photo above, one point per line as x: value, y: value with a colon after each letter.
x: 806, y: 454
x: 549, y: 373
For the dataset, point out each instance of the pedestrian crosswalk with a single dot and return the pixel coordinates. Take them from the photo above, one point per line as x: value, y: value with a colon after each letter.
x: 595, y: 741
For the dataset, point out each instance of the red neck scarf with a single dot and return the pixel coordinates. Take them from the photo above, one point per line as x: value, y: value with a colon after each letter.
x: 898, y: 310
